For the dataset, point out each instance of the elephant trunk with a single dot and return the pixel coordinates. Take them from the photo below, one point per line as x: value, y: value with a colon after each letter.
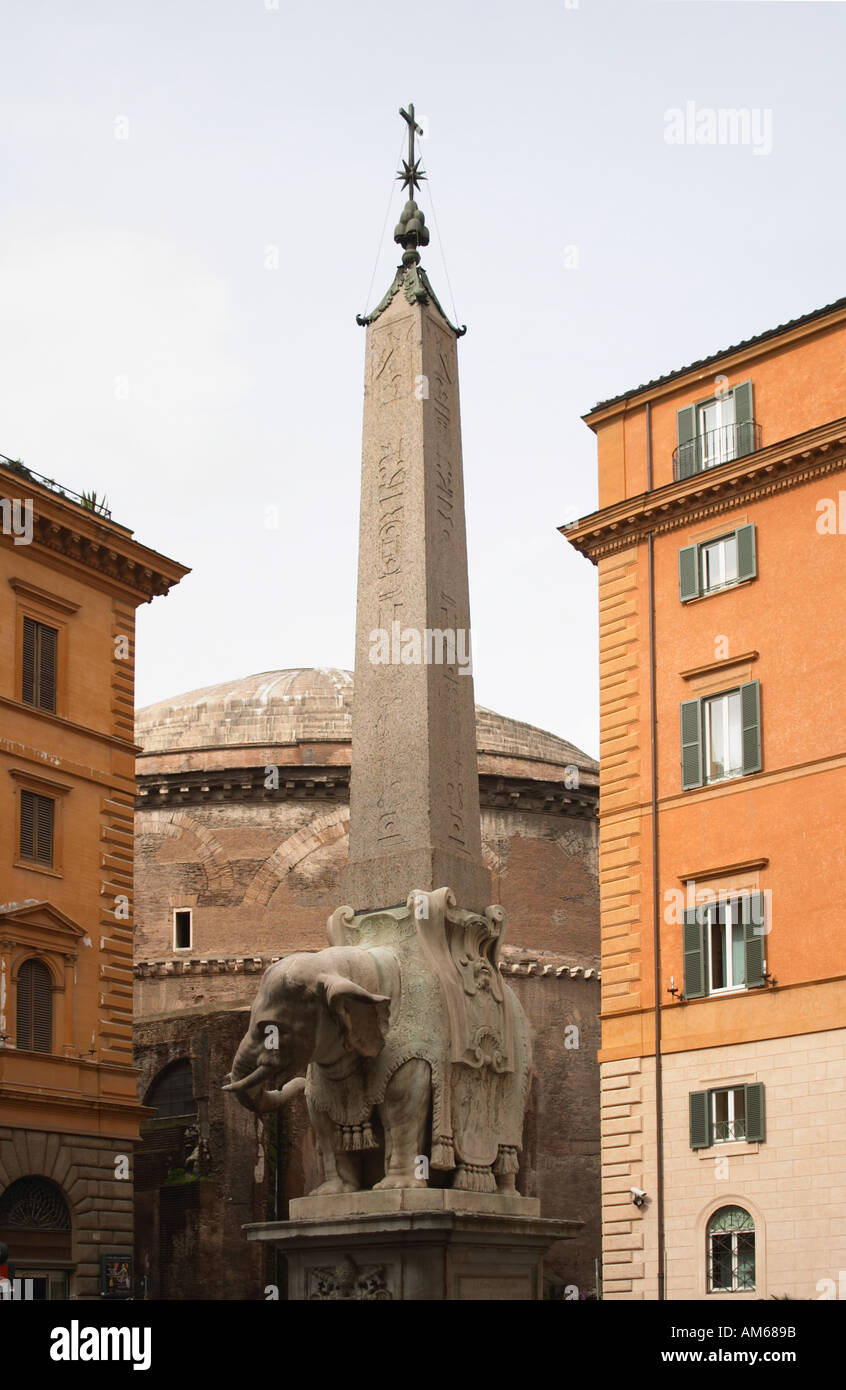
x: 249, y: 1083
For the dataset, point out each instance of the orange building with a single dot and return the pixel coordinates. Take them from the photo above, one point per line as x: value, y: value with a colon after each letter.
x: 70, y: 581
x: 720, y: 542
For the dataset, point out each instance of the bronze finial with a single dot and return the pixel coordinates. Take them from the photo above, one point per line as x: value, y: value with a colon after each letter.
x: 411, y: 173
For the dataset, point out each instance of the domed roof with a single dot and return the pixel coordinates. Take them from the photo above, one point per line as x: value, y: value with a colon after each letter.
x: 311, y: 705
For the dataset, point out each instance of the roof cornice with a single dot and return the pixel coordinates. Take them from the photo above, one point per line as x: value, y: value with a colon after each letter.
x: 729, y: 485
x: 774, y: 339
x: 85, y: 540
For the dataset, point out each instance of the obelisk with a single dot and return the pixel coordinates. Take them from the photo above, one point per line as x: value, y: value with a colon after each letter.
x: 411, y: 1041
x: 414, y: 791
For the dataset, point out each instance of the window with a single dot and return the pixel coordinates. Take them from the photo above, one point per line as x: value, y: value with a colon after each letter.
x: 723, y: 946
x: 34, y: 1007
x: 182, y: 929
x: 731, y: 1251
x: 36, y: 830
x: 726, y: 1115
x: 172, y: 1092
x: 715, y: 428
x: 721, y: 736
x: 718, y: 564
x: 714, y: 431
x: 34, y: 1204
x: 40, y: 644
x: 728, y: 1120
x: 723, y: 739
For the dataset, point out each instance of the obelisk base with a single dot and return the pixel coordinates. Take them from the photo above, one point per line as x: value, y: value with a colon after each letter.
x: 414, y: 1244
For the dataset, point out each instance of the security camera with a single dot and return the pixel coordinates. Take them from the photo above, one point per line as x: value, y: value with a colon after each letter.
x: 638, y: 1196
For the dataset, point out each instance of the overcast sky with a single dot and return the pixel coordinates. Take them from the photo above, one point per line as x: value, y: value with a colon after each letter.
x: 159, y: 159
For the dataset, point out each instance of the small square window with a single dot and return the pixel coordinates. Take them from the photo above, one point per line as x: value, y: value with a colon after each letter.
x: 182, y: 929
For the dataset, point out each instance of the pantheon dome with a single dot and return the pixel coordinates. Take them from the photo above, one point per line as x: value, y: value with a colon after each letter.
x: 298, y: 713
x: 243, y: 820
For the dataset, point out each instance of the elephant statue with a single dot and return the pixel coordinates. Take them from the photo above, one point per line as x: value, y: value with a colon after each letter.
x: 405, y: 1015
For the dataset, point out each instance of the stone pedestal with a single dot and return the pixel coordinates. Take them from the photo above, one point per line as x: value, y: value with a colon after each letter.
x: 408, y: 1244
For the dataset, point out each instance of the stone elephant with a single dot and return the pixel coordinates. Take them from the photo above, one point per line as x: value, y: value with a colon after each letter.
x: 409, y: 1018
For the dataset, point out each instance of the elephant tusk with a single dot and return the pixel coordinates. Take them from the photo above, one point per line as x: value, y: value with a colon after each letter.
x: 253, y: 1079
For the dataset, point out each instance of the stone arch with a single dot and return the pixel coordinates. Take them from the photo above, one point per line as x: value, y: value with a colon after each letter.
x: 49, y: 1208
x: 173, y: 1083
x: 213, y: 857
x: 32, y: 1154
x: 325, y: 830
x: 46, y: 958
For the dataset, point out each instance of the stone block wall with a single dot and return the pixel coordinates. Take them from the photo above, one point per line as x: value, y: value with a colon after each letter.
x: 793, y: 1183
x: 100, y: 1204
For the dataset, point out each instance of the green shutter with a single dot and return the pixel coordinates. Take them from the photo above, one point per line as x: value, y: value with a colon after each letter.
x: 744, y: 422
x: 689, y: 572
x: 746, y: 568
x: 754, y: 939
x: 750, y: 715
x: 700, y: 1119
x: 691, y: 744
x: 687, y: 441
x: 755, y: 1128
x: 693, y: 946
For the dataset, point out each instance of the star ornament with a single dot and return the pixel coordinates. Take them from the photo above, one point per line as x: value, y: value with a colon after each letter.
x: 411, y: 174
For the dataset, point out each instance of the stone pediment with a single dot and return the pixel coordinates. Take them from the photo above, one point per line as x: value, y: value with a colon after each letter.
x: 38, y: 923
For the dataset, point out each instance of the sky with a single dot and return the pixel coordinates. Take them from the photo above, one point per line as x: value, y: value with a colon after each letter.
x: 193, y: 199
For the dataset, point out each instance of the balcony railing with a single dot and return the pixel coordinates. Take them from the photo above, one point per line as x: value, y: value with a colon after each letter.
x: 716, y: 447
x: 89, y: 500
x: 725, y: 1130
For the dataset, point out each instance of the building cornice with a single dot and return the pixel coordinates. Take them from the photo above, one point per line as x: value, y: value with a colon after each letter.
x: 773, y: 469
x: 515, y: 960
x: 247, y: 784
x: 34, y: 711
x: 90, y: 541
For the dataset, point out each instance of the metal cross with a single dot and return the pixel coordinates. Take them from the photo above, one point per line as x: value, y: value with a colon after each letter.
x: 411, y: 173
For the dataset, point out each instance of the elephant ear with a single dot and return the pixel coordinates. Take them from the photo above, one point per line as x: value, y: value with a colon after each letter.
x: 363, y: 1017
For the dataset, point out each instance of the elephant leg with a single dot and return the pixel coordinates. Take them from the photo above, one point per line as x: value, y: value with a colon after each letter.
x: 404, y: 1113
x: 339, y: 1171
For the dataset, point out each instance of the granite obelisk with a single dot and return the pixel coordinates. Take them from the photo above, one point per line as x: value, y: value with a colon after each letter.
x: 411, y: 1041
x: 414, y: 798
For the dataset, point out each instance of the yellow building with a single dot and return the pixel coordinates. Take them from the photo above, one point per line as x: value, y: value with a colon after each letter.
x: 70, y: 581
x: 720, y: 542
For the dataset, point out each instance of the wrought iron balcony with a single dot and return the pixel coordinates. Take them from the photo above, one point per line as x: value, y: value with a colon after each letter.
x: 89, y: 500
x: 716, y: 447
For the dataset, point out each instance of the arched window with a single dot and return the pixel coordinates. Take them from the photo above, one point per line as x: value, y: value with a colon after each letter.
x: 172, y: 1092
x: 34, y: 1204
x: 35, y: 1007
x: 731, y: 1251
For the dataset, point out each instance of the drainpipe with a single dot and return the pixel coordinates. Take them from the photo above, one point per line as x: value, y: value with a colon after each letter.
x: 656, y: 900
